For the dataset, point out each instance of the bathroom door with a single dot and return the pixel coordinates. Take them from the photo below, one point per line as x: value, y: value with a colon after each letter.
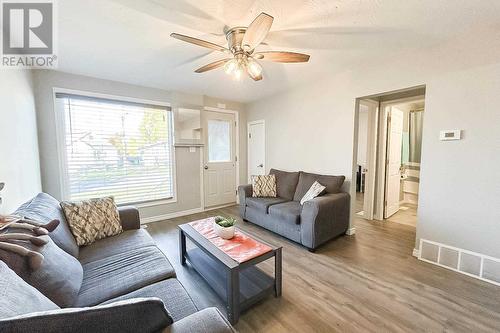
x: 393, y: 162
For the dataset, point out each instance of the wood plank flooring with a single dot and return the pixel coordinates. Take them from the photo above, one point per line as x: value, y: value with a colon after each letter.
x: 364, y: 283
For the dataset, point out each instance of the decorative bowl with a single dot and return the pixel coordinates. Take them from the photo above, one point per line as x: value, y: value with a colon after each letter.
x: 223, y: 232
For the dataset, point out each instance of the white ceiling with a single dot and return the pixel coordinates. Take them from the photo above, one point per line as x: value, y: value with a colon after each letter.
x: 128, y: 40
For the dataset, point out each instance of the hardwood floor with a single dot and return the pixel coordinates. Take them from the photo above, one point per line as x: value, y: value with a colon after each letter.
x: 364, y: 283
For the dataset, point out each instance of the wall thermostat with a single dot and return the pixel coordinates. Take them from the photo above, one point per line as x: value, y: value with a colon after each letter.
x: 448, y: 135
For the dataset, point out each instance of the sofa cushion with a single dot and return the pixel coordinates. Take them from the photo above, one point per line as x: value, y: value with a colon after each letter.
x: 17, y: 297
x: 93, y: 219
x: 122, y: 243
x: 43, y: 208
x: 315, y: 190
x: 286, y: 183
x: 122, y: 273
x: 263, y: 204
x: 208, y: 320
x: 264, y: 186
x: 59, y: 276
x: 134, y: 315
x: 288, y: 212
x: 332, y: 183
x: 171, y: 292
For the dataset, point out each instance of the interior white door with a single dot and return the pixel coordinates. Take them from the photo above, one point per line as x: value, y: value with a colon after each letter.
x: 256, y: 149
x: 393, y: 169
x: 220, y: 161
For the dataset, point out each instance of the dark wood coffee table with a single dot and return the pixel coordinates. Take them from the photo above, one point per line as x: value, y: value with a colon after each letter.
x: 240, y: 285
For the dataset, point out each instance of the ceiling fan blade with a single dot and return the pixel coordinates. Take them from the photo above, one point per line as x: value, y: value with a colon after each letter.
x: 278, y: 56
x: 199, y: 42
x: 257, y: 31
x: 212, y: 65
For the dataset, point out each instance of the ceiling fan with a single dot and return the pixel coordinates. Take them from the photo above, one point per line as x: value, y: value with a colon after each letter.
x: 242, y: 42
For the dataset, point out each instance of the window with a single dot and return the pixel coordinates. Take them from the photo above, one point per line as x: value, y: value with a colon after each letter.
x: 219, y: 141
x: 116, y: 148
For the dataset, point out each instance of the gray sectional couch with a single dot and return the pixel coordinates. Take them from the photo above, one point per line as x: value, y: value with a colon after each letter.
x: 122, y: 283
x: 312, y: 224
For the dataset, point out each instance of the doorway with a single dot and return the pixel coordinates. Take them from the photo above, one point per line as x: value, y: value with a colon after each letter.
x: 402, y: 159
x: 388, y: 144
x: 256, y: 148
x: 219, y: 170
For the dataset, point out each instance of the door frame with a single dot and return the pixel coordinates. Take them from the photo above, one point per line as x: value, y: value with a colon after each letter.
x: 371, y: 154
x: 255, y: 122
x: 236, y: 154
x: 382, y: 155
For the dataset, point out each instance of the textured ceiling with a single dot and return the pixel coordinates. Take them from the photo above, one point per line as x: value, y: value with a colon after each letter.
x: 128, y: 40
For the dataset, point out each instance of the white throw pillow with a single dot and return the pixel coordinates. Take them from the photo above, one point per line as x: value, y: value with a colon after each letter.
x: 315, y: 190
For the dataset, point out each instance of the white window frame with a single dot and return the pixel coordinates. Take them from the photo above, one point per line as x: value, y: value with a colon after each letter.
x: 61, y: 142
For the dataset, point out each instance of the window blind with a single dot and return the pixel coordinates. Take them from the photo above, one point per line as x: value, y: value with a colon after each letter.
x: 123, y: 149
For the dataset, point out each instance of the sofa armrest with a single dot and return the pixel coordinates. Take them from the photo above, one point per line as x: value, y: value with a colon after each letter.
x: 324, y: 218
x: 129, y: 217
x: 209, y: 320
x: 133, y: 315
x: 244, y: 192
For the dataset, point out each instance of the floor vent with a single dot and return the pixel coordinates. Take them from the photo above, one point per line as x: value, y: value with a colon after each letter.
x: 470, y: 263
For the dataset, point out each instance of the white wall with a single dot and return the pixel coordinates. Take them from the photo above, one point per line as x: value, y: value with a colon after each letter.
x: 311, y: 128
x: 19, y: 166
x: 187, y: 163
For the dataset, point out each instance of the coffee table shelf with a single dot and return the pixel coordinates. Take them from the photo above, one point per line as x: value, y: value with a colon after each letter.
x: 240, y: 285
x: 254, y: 283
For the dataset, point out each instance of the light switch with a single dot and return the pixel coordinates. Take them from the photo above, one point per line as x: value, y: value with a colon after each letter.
x: 192, y: 149
x: 447, y: 135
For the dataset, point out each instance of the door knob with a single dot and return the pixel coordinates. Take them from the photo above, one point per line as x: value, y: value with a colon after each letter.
x: 260, y: 165
x: 205, y: 167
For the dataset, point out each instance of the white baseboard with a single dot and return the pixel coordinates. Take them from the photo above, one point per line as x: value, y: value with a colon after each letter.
x: 416, y: 253
x: 170, y: 215
x: 219, y: 207
x: 351, y: 231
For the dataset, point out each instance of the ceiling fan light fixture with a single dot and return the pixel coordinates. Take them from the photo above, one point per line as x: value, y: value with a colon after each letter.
x: 254, y: 68
x: 242, y: 44
x: 238, y: 73
x: 231, y: 66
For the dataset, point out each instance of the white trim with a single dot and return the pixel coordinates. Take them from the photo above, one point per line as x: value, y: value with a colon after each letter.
x: 169, y: 216
x: 237, y: 151
x: 460, y: 251
x: 61, y: 141
x: 219, y: 207
x: 351, y: 231
x: 118, y: 98
x: 250, y: 123
x: 416, y: 253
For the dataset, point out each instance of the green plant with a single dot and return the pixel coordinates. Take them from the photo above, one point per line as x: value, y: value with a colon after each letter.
x: 225, y: 222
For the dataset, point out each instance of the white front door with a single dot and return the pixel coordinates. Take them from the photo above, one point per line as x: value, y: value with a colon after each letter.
x: 393, y: 169
x: 256, y: 148
x: 220, y: 166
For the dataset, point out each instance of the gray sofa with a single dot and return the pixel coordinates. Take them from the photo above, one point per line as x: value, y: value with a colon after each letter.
x: 123, y: 283
x: 312, y: 224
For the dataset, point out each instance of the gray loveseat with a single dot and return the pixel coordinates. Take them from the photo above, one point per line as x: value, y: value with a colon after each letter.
x: 312, y: 224
x: 122, y: 283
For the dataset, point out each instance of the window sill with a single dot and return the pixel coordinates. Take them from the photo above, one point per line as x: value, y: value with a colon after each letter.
x: 151, y: 203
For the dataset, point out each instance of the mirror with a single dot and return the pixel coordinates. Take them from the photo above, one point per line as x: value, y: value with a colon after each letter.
x: 187, y: 126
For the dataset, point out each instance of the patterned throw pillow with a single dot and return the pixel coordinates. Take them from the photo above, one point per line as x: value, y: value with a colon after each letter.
x: 315, y: 190
x: 264, y: 186
x: 93, y: 219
